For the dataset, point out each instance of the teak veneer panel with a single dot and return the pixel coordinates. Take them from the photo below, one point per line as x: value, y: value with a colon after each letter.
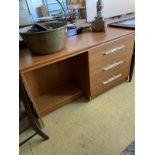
x: 49, y: 77
x: 75, y: 45
x: 80, y: 72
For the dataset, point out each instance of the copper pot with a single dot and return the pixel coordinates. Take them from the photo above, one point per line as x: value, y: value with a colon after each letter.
x: 47, y: 41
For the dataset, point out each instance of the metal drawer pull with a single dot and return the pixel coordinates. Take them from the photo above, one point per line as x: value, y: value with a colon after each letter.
x: 116, y: 49
x: 112, y: 79
x: 112, y: 65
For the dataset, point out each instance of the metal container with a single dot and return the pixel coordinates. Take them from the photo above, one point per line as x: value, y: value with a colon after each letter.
x: 51, y: 40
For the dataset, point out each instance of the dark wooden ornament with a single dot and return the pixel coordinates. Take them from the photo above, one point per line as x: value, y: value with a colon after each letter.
x: 98, y: 24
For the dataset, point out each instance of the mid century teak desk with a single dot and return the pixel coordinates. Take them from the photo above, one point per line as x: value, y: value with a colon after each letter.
x: 91, y: 64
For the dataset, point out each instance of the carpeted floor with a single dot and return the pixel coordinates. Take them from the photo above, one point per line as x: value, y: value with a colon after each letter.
x: 103, y: 126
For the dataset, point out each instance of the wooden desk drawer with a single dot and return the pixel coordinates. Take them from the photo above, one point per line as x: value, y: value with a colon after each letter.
x: 110, y: 65
x: 101, y: 83
x: 119, y: 48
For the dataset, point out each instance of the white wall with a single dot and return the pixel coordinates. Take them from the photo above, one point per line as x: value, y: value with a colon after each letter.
x: 111, y: 8
x: 118, y: 7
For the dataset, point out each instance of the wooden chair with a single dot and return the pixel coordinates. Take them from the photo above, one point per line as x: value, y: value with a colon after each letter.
x: 30, y: 113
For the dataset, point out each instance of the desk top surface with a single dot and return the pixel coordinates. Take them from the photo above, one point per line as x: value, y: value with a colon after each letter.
x: 75, y: 45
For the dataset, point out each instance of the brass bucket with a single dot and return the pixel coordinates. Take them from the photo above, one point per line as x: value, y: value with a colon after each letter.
x: 51, y: 40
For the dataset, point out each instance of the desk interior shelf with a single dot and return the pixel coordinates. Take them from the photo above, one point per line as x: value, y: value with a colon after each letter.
x: 57, y: 98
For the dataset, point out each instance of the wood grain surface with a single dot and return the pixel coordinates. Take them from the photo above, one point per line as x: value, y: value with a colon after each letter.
x: 56, y: 79
x: 75, y: 45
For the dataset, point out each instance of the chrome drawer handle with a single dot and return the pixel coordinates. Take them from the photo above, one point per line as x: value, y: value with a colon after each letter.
x: 112, y: 79
x: 112, y: 65
x: 116, y: 49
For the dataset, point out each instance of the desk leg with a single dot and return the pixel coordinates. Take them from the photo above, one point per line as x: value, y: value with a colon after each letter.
x: 132, y: 64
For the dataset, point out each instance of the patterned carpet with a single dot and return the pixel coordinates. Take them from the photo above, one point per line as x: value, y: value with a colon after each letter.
x: 130, y: 150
